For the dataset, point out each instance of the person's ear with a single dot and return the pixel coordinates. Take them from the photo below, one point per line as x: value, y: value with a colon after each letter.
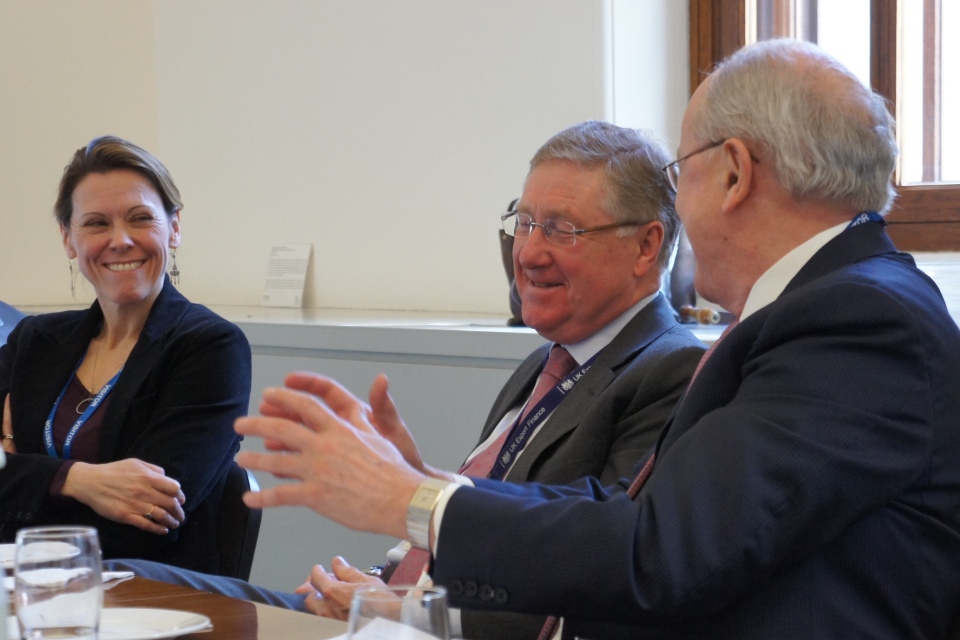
x: 739, y: 177
x: 175, y: 230
x: 67, y: 245
x: 649, y: 239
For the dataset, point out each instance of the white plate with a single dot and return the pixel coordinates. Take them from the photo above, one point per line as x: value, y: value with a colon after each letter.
x: 128, y: 623
x: 42, y: 551
x: 110, y: 579
x: 7, y: 552
x: 55, y: 577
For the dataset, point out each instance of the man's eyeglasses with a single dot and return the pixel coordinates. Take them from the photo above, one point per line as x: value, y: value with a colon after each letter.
x: 521, y: 225
x: 673, y: 169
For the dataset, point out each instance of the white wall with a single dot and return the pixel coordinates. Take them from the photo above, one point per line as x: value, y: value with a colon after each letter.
x: 651, y: 59
x: 68, y: 71
x: 389, y: 134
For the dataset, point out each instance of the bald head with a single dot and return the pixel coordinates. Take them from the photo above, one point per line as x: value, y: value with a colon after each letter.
x: 825, y: 135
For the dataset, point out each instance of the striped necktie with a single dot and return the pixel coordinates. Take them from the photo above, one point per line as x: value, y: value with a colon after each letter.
x: 559, y: 363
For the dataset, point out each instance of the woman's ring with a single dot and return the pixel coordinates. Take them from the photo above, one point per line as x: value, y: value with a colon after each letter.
x: 8, y: 436
x: 149, y: 514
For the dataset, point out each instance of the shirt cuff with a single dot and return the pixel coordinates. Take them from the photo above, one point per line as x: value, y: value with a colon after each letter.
x: 437, y: 517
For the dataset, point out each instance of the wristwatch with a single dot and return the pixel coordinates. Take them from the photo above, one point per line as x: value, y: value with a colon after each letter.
x: 420, y: 510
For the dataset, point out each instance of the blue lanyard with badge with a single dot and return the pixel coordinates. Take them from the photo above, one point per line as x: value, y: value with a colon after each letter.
x: 520, y: 434
x: 82, y: 420
x: 865, y: 217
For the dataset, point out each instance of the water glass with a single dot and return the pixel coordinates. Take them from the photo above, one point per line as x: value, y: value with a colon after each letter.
x: 58, y: 583
x: 399, y: 613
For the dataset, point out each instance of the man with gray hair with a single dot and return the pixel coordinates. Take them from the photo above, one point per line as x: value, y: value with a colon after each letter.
x: 806, y: 486
x: 594, y: 229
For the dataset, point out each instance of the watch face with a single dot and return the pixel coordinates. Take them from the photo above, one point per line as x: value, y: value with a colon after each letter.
x: 425, y: 497
x: 420, y: 510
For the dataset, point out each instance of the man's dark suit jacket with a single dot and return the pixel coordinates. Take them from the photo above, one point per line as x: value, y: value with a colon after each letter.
x: 612, y: 417
x: 808, y: 485
x: 185, y: 382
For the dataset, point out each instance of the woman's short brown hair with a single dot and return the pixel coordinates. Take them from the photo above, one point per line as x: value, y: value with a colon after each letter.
x: 110, y: 153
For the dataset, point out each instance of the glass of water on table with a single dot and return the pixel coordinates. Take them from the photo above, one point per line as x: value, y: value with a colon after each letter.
x: 399, y: 612
x: 58, y: 587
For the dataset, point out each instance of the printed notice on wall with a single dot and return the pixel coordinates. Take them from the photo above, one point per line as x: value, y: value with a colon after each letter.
x: 286, y: 275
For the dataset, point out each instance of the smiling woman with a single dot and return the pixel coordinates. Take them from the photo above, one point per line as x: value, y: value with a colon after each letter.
x: 121, y: 416
x: 120, y: 236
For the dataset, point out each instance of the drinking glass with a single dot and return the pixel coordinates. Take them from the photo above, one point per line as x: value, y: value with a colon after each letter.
x: 58, y: 589
x: 403, y: 612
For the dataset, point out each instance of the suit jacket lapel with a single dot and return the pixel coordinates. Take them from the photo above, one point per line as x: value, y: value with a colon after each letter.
x: 653, y: 321
x: 58, y: 350
x: 852, y: 245
x: 518, y: 387
x: 163, y: 319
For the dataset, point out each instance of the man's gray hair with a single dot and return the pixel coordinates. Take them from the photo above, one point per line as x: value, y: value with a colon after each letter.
x: 826, y: 136
x: 637, y: 189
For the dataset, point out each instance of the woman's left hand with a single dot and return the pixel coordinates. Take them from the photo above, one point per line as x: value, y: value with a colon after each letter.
x: 7, y: 439
x: 128, y: 491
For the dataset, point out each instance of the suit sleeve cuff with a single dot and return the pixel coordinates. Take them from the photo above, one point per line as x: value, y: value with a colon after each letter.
x: 437, y: 517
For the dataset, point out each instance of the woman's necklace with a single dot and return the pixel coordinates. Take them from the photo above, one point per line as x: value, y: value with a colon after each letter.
x: 81, y: 407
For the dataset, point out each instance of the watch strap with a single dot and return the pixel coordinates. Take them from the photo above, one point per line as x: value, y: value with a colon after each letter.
x: 420, y: 510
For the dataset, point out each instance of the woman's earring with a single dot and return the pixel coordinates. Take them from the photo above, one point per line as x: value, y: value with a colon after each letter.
x: 174, y: 272
x: 73, y: 280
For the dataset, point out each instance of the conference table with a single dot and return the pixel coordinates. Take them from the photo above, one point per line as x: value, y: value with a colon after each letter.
x: 232, y: 619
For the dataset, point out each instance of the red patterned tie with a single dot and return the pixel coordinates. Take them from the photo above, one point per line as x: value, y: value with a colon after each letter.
x: 558, y: 365
x: 550, y: 626
x: 709, y: 352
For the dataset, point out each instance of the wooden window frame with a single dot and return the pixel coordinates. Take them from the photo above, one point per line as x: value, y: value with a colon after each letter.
x: 924, y: 217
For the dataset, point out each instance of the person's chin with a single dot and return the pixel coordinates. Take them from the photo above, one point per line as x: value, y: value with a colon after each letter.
x: 543, y: 322
x: 126, y: 295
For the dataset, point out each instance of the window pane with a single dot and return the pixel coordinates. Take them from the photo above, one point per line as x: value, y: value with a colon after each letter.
x: 842, y: 28
x: 844, y: 32
x: 950, y: 94
x: 915, y: 99
x: 910, y: 120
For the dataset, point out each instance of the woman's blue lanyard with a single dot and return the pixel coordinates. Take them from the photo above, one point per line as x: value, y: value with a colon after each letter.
x: 68, y: 442
x: 520, y: 433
